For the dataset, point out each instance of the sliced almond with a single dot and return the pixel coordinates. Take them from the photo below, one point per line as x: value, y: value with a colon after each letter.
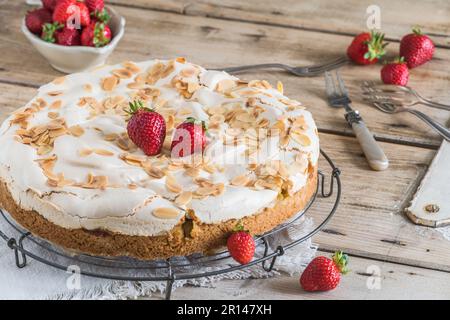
x: 300, y: 138
x: 132, y: 186
x: 109, y: 83
x: 76, y: 131
x: 131, y: 66
x: 241, y: 180
x: 54, y: 93
x: 84, y: 152
x: 172, y: 185
x: 53, y: 115
x: 165, y: 213
x: 122, y: 73
x: 87, y: 87
x: 205, y: 191
x: 225, y: 85
x: 56, y: 104
x: 111, y: 136
x: 103, y: 152
x: 45, y: 149
x: 184, y: 198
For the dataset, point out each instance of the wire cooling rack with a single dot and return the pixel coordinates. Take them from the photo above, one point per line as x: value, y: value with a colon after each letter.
x: 25, y: 245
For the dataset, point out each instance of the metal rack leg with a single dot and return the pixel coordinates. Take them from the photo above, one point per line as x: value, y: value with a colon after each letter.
x: 170, y: 282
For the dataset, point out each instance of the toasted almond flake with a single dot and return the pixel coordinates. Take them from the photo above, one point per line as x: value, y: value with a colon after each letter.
x: 241, y: 180
x: 172, y: 185
x: 76, y: 131
x: 59, y: 80
x: 84, y: 152
x: 54, y: 93
x: 300, y: 122
x: 217, y: 110
x: 132, y: 186
x: 131, y: 66
x: 57, y: 133
x: 44, y: 149
x: 111, y: 136
x: 205, y: 191
x: 245, y: 117
x: 225, y: 85
x: 185, y: 111
x: 192, y: 87
x: 165, y: 213
x: 123, y: 144
x: 184, y: 198
x: 135, y: 85
x: 87, y: 87
x: 284, y: 141
x: 53, y: 115
x: 103, y: 152
x: 209, y: 168
x: 300, y: 138
x: 122, y: 73
x: 56, y: 104
x: 181, y: 60
x: 192, y: 172
x: 109, y: 83
x: 219, y: 189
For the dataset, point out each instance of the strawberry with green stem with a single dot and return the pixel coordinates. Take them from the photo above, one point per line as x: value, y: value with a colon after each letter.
x: 241, y: 245
x: 396, y: 72
x: 97, y: 34
x: 323, y: 274
x: 189, y: 138
x: 417, y: 48
x: 146, y: 128
x: 366, y: 48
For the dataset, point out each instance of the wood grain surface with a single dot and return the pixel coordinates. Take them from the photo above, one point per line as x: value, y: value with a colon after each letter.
x: 370, y: 224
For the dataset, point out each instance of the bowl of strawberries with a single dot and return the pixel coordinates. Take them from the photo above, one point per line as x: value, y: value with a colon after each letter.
x: 74, y: 35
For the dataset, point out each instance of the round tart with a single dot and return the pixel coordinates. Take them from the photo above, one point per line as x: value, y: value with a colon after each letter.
x: 70, y: 174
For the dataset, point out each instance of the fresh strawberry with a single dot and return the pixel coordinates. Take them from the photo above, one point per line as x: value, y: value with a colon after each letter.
x: 190, y: 137
x: 97, y: 34
x: 49, y: 4
x: 417, y: 48
x: 241, y: 245
x: 146, y: 128
x: 100, y: 16
x: 66, y: 10
x: 68, y: 37
x: 367, y: 48
x: 49, y: 31
x: 396, y: 72
x: 323, y: 274
x: 95, y: 5
x: 34, y: 20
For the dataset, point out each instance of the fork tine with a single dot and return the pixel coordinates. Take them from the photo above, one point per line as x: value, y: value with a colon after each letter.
x: 329, y: 85
x: 341, y: 84
x: 328, y: 66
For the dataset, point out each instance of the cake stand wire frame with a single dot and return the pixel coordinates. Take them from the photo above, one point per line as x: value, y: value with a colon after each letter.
x: 168, y: 270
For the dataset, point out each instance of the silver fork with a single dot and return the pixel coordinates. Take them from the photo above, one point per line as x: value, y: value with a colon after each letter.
x: 338, y: 98
x: 397, y: 95
x: 391, y: 108
x: 307, y: 71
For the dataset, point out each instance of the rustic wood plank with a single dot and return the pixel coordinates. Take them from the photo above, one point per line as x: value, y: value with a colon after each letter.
x: 390, y: 281
x: 343, y: 16
x: 215, y: 43
x: 369, y: 221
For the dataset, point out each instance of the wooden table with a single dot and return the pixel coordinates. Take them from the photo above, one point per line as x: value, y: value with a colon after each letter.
x: 414, y: 262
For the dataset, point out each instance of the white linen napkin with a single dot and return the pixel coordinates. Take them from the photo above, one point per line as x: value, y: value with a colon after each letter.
x: 40, y: 281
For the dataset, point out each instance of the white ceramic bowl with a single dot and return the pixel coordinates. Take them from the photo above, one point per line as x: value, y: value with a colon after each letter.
x: 78, y: 58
